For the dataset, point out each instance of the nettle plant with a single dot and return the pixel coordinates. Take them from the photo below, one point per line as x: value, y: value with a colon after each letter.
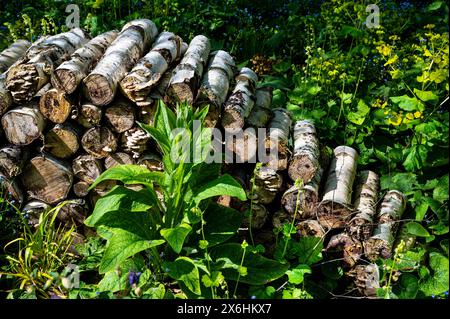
x: 170, y: 217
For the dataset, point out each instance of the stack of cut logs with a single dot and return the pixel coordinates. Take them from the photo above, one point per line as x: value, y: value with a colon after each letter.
x: 69, y: 107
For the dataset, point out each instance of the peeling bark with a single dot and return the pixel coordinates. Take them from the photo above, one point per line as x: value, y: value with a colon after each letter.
x: 33, y: 71
x: 366, y: 278
x: 135, y: 141
x: 277, y: 139
x: 33, y: 210
x: 69, y: 74
x: 310, y: 228
x: 186, y: 76
x: 241, y: 101
x: 305, y: 160
x: 335, y: 208
x: 345, y: 247
x: 13, y: 53
x: 137, y: 84
x: 12, y: 160
x: 365, y: 203
x: 267, y: 185
x: 261, y: 113
x: 131, y: 43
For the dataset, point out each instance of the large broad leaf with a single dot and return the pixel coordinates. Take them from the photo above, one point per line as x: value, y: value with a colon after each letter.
x: 426, y: 96
x: 224, y: 185
x: 160, y: 138
x: 308, y: 250
x: 296, y: 275
x: 130, y: 174
x: 417, y: 230
x: 408, y: 103
x: 440, y: 193
x: 404, y: 182
x: 120, y: 199
x: 184, y: 269
x: 417, y: 156
x: 221, y: 223
x: 439, y: 281
x: 176, y: 236
x: 124, y: 244
x: 260, y: 270
x: 359, y: 116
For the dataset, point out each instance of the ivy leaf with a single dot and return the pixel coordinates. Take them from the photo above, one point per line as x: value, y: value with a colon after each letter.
x: 408, y: 103
x: 426, y: 96
x: 224, y: 185
x: 438, y: 283
x: 296, y: 275
x: 404, y: 182
x: 417, y: 230
x: 130, y: 174
x: 184, y: 269
x: 176, y: 236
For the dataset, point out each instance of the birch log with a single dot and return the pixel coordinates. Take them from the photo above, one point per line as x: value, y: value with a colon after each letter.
x: 261, y: 113
x: 381, y: 242
x: 23, y: 124
x: 47, y: 179
x: 116, y: 159
x: 305, y: 160
x: 215, y: 84
x: 135, y: 141
x: 308, y: 199
x: 137, y: 84
x: 73, y: 212
x: 267, y: 185
x: 55, y: 106
x: 33, y: 210
x: 99, y: 142
x: 33, y: 71
x: 87, y: 168
x: 241, y: 101
x: 69, y: 74
x: 278, y: 138
x: 120, y: 116
x: 335, y: 208
x: 310, y: 228
x: 6, y: 99
x: 89, y: 115
x: 186, y: 76
x: 63, y: 140
x: 342, y: 246
x: 365, y: 203
x: 12, y: 160
x: 366, y: 279
x: 13, y: 53
x: 152, y: 161
x: 131, y: 43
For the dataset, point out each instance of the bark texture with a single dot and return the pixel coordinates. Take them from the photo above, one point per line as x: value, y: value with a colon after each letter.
x: 135, y: 141
x: 47, y: 179
x: 12, y: 160
x: 277, y: 140
x: 335, y: 208
x: 366, y: 279
x: 131, y: 43
x: 70, y: 73
x: 186, y: 76
x: 267, y: 185
x: 33, y: 71
x: 89, y: 115
x: 13, y: 53
x: 261, y: 113
x: 99, y: 142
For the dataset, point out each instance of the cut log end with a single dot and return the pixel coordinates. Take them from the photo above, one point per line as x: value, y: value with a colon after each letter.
x: 65, y: 79
x: 99, y: 142
x: 333, y: 214
x: 310, y: 228
x: 98, y: 89
x: 344, y: 247
x: 303, y: 167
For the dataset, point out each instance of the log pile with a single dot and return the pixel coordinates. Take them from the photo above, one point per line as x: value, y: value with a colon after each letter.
x: 69, y: 108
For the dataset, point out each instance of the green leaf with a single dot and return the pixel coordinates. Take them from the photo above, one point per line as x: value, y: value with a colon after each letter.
x: 260, y: 270
x: 439, y: 281
x: 296, y: 275
x: 409, y: 286
x: 130, y: 174
x: 426, y: 96
x: 176, y: 236
x: 434, y: 6
x: 404, y: 182
x: 421, y: 210
x: 221, y: 223
x: 359, y: 116
x: 162, y: 140
x: 408, y: 103
x: 417, y: 230
x: 184, y: 269
x: 440, y: 193
x: 417, y: 156
x: 308, y: 250
x: 120, y: 198
x: 121, y: 245
x: 224, y: 185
